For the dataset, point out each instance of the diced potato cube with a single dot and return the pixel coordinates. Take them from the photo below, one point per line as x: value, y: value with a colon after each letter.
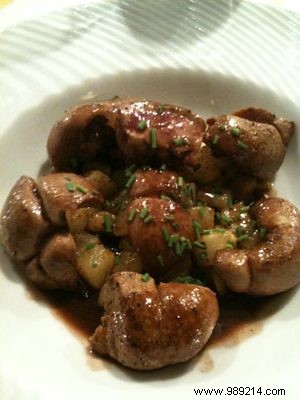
x: 77, y: 219
x: 212, y: 242
x: 204, y: 215
x: 95, y: 263
x: 128, y: 261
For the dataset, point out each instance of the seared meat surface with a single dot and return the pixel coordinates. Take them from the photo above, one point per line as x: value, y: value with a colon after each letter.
x: 148, y: 326
x: 23, y: 222
x: 140, y: 130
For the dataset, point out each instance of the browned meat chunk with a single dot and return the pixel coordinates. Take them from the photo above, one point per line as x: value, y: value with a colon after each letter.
x: 154, y: 183
x: 63, y: 190
x: 58, y: 259
x: 257, y: 148
x: 142, y: 130
x: 285, y: 128
x: 271, y: 266
x: 162, y: 233
x: 148, y: 326
x: 23, y: 224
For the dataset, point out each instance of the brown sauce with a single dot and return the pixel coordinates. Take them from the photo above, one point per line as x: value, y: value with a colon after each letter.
x: 240, y: 315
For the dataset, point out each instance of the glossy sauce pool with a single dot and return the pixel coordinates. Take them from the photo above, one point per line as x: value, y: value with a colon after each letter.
x: 240, y: 315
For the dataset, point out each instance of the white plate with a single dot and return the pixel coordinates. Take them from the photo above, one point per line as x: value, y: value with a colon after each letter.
x: 211, y: 56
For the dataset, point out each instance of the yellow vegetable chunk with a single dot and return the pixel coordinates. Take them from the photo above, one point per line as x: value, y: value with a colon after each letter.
x: 211, y: 243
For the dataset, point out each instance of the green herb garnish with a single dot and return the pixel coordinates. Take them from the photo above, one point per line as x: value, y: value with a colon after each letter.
x: 90, y: 245
x: 70, y: 186
x: 144, y: 212
x: 107, y: 222
x: 132, y: 214
x: 216, y: 139
x: 235, y: 131
x: 145, y: 277
x: 181, y: 141
x: 153, y: 138
x: 242, y: 145
x: 197, y: 229
x: 130, y: 181
x: 142, y: 125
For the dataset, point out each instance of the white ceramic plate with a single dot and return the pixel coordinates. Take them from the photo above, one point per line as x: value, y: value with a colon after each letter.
x: 211, y: 56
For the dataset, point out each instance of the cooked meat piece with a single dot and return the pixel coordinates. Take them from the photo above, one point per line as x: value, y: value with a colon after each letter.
x: 81, y: 135
x: 63, y: 190
x: 23, y: 224
x: 154, y: 183
x: 161, y: 232
x: 38, y: 276
x: 273, y: 265
x: 255, y: 147
x: 147, y: 326
x: 141, y: 129
x: 285, y: 128
x: 58, y: 260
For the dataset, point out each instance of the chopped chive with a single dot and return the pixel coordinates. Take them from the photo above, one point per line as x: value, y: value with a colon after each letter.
x: 129, y: 170
x: 181, y: 141
x: 243, y: 237
x: 153, y: 138
x: 262, y: 232
x: 225, y: 218
x: 187, y: 279
x: 144, y: 212
x: 178, y: 248
x: 242, y: 145
x: 81, y: 189
x: 145, y: 277
x: 217, y: 230
x: 165, y: 234
x: 117, y: 259
x: 222, y: 127
x: 197, y: 229
x: 188, y: 243
x: 200, y: 245
x: 180, y: 182
x: 230, y: 244
x: 70, y: 186
x: 216, y: 139
x: 107, y: 222
x: 142, y: 125
x: 240, y: 231
x: 243, y: 210
x: 163, y: 197
x: 173, y: 239
x: 90, y: 245
x: 163, y: 167
x: 148, y: 219
x: 229, y: 201
x: 130, y: 181
x: 160, y: 260
x: 235, y: 131
x: 132, y: 214
x: 169, y: 218
x: 161, y: 109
